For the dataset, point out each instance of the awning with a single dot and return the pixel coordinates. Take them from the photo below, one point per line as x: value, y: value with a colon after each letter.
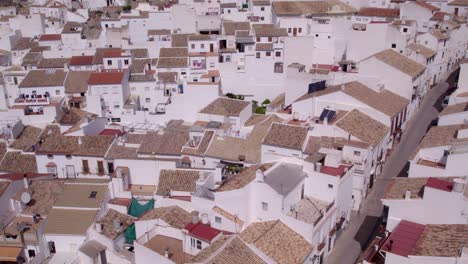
x: 10, y: 253
x: 92, y: 248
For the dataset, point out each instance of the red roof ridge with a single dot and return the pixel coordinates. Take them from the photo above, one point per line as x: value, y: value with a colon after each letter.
x: 439, y: 184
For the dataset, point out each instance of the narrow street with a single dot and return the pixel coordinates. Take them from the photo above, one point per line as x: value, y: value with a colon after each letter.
x: 347, y: 248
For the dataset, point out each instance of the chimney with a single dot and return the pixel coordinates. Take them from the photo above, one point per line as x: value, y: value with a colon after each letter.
x: 116, y: 223
x: 99, y: 227
x: 166, y: 253
x: 204, y: 218
x: 259, y: 175
x: 408, y: 195
x: 195, y: 217
x: 325, y: 120
x: 80, y: 141
x: 26, y: 182
x: 318, y: 166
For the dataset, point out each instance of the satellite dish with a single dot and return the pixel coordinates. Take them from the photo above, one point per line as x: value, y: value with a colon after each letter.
x: 25, y: 197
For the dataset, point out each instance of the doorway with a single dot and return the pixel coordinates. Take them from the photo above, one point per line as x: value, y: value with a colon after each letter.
x: 100, y: 165
x: 211, y: 47
x: 294, y: 32
x: 70, y: 170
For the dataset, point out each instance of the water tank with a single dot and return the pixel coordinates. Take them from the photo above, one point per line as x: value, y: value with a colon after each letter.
x: 458, y: 185
x: 204, y: 219
x: 194, y: 217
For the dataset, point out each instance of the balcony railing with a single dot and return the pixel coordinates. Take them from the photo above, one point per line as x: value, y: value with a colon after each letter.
x: 32, y: 101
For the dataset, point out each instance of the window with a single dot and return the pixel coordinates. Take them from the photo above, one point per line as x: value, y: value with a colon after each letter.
x: 116, y: 106
x: 357, y: 153
x: 126, y: 62
x: 443, y: 54
x: 262, y: 8
x: 115, y: 120
x: 68, y: 156
x: 258, y: 55
x: 405, y: 30
x: 57, y: 92
x: 148, y: 100
x: 299, y: 30
x: 31, y: 253
x: 109, y: 62
x: 264, y: 206
x: 195, y: 243
x: 202, y: 46
x: 50, y: 156
x: 268, y: 53
x: 229, y: 11
x: 278, y: 67
x: 393, y: 45
x: 316, y: 35
x: 15, y: 80
x: 192, y: 46
x: 330, y: 186
x: 289, y: 30
x: 93, y: 194
x: 262, y: 18
x: 106, y: 25
x: 218, y: 219
x: 258, y: 39
x: 270, y: 39
x: 278, y: 54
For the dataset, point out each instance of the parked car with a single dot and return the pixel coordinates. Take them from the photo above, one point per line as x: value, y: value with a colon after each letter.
x: 445, y: 102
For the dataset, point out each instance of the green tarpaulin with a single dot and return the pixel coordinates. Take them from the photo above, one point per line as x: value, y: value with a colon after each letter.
x: 136, y: 209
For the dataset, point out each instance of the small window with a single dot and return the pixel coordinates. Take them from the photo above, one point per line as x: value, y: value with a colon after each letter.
x: 258, y: 39
x: 218, y: 219
x: 316, y: 35
x: 405, y: 30
x: 57, y: 92
x: 109, y: 62
x: 289, y: 30
x: 357, y: 153
x: 148, y: 100
x: 126, y: 62
x: 68, y: 156
x: 258, y: 55
x: 270, y: 39
x: 50, y: 156
x: 199, y: 244
x: 202, y: 46
x: 264, y: 206
x: 192, y: 46
x: 262, y: 18
x: 15, y: 80
x: 278, y: 54
x: 299, y: 30
x: 278, y: 67
x: 393, y: 45
x: 268, y: 53
x: 262, y: 8
x: 116, y: 106
x: 93, y: 194
x: 330, y: 186
x: 31, y: 253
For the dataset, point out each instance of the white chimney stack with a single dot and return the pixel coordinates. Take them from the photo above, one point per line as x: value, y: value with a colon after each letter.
x: 259, y: 175
x: 195, y: 217
x: 26, y: 181
x: 80, y: 140
x: 318, y: 166
x: 408, y: 195
x: 204, y: 218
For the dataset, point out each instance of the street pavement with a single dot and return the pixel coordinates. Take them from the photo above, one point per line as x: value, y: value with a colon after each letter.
x: 347, y: 249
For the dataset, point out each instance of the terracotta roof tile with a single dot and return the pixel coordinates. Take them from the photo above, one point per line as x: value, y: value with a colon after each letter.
x: 400, y: 62
x: 287, y: 136
x: 363, y: 127
x: 98, y: 78
x: 225, y: 106
x: 177, y: 180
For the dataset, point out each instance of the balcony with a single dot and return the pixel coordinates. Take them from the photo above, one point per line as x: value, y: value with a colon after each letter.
x: 33, y: 111
x: 198, y: 65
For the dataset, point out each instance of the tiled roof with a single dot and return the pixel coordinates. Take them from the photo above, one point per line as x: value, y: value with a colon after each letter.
x: 328, y: 90
x: 28, y: 138
x: 228, y: 250
x: 288, y: 136
x: 233, y: 148
x: 107, y: 222
x: 458, y: 2
x: 48, y: 63
x: 81, y: 60
x: 172, y: 215
x: 379, y: 12
x: 50, y: 37
x: 441, y: 241
x: 363, y: 127
x: 179, y: 40
x: 277, y: 241
x: 74, y: 116
x: 199, y: 37
x: 404, y: 238
x: 172, y: 62
x: 177, y: 180
x: 439, y: 35
x: 167, y: 77
x: 264, y: 47
x: 44, y: 193
x: 173, y: 52
x: 421, y: 49
x: 453, y: 109
x: 427, y: 6
x: 94, y: 146
x: 169, y: 143
x: 439, y: 136
x: 97, y: 78
x: 269, y: 30
x: 77, y: 81
x: 310, y: 7
x: 15, y: 161
x: 202, y: 146
x: 98, y: 56
x: 139, y: 53
x: 41, y: 78
x: 202, y: 231
x: 122, y: 152
x: 79, y: 195
x: 154, y: 32
x: 230, y: 27
x: 225, y: 106
x: 244, y: 178
x: 23, y: 44
x: 398, y: 187
x: 400, y: 62
x: 69, y: 222
x: 309, y: 210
